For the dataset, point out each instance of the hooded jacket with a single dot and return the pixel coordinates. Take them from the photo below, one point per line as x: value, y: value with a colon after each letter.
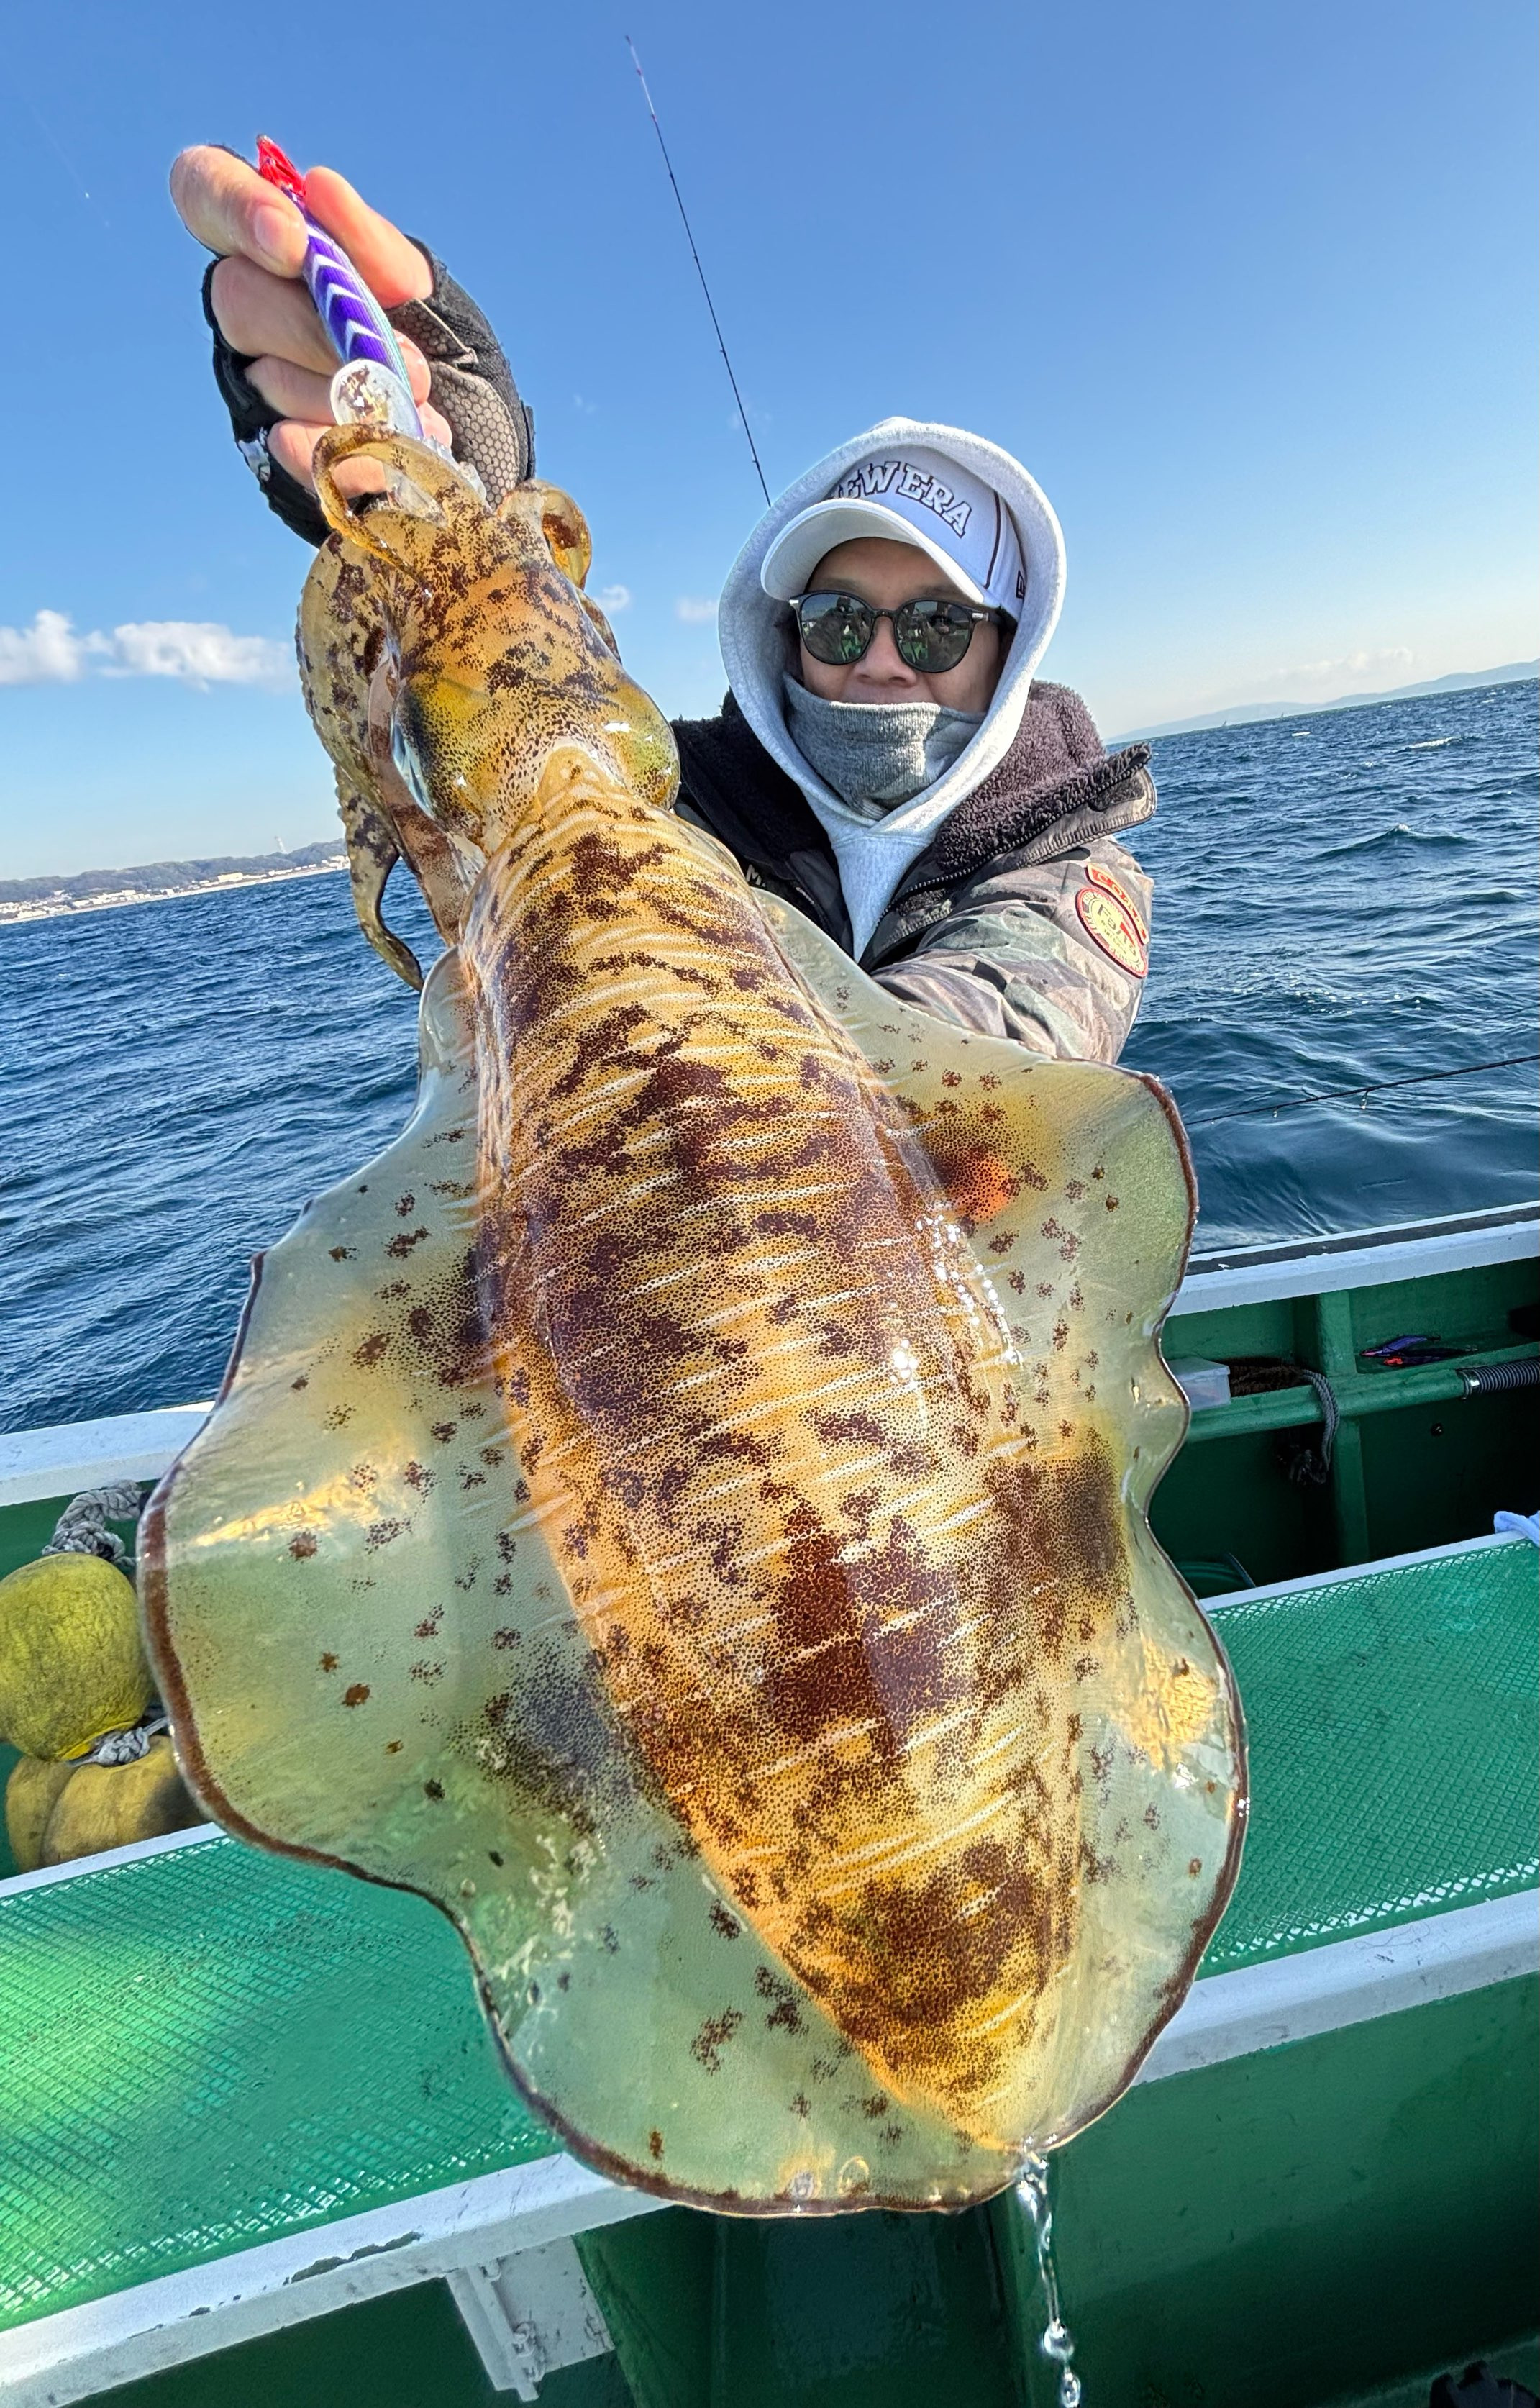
x: 998, y: 896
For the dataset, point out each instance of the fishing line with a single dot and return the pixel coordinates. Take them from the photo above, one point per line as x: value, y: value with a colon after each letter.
x: 52, y: 138
x: 54, y: 142
x: 699, y: 269
x: 1371, y: 1087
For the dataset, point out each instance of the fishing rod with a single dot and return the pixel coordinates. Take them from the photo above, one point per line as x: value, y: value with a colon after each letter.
x: 1369, y: 1087
x: 700, y: 271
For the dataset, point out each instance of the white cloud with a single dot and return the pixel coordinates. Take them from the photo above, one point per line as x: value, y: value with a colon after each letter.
x: 199, y: 653
x: 694, y: 610
x: 611, y: 598
x: 49, y: 652
x: 1390, y: 660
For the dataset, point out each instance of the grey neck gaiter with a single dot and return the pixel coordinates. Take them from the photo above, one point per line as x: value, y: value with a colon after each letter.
x: 876, y: 756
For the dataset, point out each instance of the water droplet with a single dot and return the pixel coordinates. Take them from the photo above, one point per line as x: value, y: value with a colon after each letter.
x: 1057, y: 2343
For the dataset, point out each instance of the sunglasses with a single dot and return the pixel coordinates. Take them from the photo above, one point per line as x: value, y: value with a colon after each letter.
x: 932, y: 636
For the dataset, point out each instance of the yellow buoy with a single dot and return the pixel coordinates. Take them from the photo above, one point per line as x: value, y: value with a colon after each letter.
x: 31, y: 1795
x: 108, y: 1805
x: 71, y: 1664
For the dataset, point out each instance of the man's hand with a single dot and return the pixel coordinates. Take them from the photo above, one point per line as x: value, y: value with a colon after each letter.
x: 264, y: 310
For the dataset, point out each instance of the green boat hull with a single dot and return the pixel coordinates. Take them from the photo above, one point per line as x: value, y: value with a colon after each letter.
x: 1322, y: 2211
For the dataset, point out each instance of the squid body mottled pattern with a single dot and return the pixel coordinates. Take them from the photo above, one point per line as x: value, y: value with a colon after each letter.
x: 683, y: 1508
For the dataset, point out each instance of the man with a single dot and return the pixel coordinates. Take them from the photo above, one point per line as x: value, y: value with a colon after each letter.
x: 884, y: 759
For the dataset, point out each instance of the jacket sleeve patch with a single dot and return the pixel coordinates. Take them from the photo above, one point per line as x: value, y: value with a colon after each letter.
x: 1111, y: 922
x: 1111, y: 886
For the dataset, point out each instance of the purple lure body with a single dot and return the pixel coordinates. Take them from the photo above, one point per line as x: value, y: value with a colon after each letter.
x: 355, y: 323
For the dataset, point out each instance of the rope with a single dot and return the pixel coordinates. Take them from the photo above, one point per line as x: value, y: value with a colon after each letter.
x: 81, y: 1527
x: 128, y: 1746
x: 1371, y: 1087
x: 1312, y: 1464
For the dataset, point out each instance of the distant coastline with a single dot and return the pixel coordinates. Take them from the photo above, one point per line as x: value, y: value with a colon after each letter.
x: 26, y: 899
x: 23, y: 900
x: 1249, y: 714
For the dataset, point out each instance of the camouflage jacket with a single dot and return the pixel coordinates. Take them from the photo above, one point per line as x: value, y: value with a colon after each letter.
x: 1024, y: 918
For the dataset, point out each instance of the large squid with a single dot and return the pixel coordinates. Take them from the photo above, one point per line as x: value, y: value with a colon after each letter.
x: 682, y: 1508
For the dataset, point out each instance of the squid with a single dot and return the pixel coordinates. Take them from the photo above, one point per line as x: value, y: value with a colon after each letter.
x: 682, y: 1508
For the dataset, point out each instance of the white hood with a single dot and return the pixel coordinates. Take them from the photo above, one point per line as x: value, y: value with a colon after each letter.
x: 757, y: 651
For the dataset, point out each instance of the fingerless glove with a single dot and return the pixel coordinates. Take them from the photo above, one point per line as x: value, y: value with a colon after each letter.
x: 471, y: 383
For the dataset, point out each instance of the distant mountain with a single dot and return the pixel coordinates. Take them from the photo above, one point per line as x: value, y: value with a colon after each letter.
x: 95, y: 890
x: 1246, y: 713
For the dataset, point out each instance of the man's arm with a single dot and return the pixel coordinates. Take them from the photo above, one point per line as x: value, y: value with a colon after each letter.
x: 1015, y: 957
x: 273, y: 362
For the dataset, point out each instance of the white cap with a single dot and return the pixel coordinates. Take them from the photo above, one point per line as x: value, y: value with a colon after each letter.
x: 915, y: 496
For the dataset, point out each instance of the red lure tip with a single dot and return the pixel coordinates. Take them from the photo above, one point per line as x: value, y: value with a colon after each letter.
x: 278, y: 169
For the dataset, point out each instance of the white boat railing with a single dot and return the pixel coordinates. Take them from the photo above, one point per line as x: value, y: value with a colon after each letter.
x: 64, y: 1459
x: 1325, y: 1265
x: 70, y: 1457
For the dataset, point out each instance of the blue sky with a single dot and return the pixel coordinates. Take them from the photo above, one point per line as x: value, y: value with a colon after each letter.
x: 1250, y: 290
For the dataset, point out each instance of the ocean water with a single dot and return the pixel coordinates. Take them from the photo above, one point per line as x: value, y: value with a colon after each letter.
x: 1339, y: 899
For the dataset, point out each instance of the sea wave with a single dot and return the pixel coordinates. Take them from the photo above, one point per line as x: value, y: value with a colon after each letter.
x: 174, y: 1084
x: 1436, y: 839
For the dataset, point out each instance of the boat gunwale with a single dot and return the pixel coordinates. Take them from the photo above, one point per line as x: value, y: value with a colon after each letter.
x: 148, y: 2327
x: 1360, y: 1259
x: 62, y: 1458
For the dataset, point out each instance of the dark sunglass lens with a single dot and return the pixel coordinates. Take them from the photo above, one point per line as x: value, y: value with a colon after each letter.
x: 835, y: 627
x: 932, y: 636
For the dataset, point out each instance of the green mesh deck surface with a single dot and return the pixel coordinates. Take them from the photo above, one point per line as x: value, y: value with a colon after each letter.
x: 1391, y: 1721
x: 205, y: 2050
x: 212, y: 2048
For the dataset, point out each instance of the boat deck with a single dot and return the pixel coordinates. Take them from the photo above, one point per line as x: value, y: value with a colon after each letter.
x: 238, y: 2091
